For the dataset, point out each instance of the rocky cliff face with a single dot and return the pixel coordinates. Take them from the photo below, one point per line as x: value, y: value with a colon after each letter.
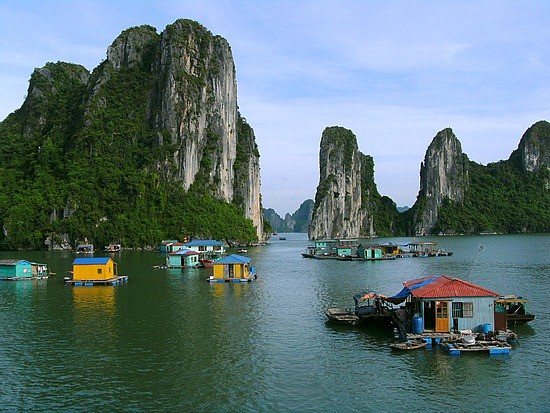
x: 533, y: 152
x: 192, y: 105
x: 443, y: 175
x: 157, y: 118
x: 345, y: 195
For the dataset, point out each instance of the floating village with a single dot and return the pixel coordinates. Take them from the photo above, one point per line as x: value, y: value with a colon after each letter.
x: 444, y: 311
x: 433, y: 311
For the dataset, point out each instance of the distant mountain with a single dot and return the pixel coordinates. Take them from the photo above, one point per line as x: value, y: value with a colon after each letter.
x: 458, y: 195
x: 403, y: 208
x: 297, y: 222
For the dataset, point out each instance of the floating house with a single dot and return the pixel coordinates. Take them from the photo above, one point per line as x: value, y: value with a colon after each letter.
x: 369, y: 252
x: 11, y: 269
x: 344, y: 250
x: 85, y: 249
x: 113, y: 248
x: 94, y: 271
x: 207, y: 248
x: 183, y: 258
x: 233, y: 268
x: 443, y: 304
x: 389, y: 248
x: 170, y: 245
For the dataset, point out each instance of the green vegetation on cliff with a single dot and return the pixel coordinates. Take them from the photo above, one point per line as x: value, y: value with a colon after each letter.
x: 79, y: 162
x: 499, y: 198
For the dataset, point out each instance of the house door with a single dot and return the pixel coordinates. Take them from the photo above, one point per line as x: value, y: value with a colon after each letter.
x: 429, y: 315
x: 442, y: 316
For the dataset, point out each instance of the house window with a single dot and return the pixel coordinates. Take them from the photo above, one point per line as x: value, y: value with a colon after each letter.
x: 468, y: 310
x: 99, y: 271
x: 463, y: 310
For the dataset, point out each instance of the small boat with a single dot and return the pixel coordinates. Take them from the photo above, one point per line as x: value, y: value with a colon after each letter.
x: 409, y: 345
x: 242, y: 250
x: 282, y: 238
x: 513, y: 309
x: 341, y: 316
x: 206, y: 263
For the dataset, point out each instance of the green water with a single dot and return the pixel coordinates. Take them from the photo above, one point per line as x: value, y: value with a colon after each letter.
x: 169, y: 341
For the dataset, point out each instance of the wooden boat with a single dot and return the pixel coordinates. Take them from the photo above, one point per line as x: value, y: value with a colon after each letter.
x: 409, y: 345
x: 341, y: 316
x: 206, y: 263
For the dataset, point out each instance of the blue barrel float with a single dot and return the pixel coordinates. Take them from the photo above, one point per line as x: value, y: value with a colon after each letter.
x: 418, y: 325
x: 486, y: 328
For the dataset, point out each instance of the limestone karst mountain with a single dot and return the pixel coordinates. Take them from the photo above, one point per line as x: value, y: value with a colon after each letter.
x: 347, y: 202
x: 149, y: 145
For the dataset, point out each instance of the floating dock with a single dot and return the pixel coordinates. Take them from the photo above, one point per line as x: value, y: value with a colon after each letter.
x: 41, y: 277
x: 90, y: 283
x: 492, y: 347
x: 229, y: 280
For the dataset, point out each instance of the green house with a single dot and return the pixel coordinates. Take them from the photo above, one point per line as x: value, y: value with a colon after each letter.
x: 369, y: 252
x: 13, y: 269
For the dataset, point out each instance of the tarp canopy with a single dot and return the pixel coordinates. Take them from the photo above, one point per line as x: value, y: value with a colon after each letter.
x: 408, y: 288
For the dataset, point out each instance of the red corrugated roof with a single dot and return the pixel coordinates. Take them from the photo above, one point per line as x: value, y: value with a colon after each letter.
x: 445, y: 286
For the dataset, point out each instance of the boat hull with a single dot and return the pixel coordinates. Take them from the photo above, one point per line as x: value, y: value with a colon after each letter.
x: 341, y: 316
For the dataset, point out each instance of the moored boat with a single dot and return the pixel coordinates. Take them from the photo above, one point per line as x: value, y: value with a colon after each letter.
x: 409, y: 345
x: 341, y: 315
x: 512, y: 309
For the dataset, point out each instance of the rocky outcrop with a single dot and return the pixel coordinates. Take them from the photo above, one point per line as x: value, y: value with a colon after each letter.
x: 193, y: 107
x: 443, y: 175
x: 154, y: 126
x: 533, y: 152
x: 346, y: 196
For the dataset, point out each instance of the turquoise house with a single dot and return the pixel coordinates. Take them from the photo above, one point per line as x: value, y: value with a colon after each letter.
x: 15, y: 269
x: 369, y: 252
x: 344, y: 250
x: 183, y: 258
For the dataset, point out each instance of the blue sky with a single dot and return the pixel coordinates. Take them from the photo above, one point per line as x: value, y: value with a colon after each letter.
x: 393, y: 72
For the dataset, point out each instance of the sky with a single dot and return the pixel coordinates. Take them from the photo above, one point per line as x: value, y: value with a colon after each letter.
x: 393, y: 72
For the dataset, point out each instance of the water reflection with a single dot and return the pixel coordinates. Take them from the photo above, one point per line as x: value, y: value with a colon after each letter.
x: 94, y: 316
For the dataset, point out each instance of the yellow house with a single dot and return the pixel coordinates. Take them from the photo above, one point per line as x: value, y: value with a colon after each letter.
x: 234, y: 268
x: 91, y: 269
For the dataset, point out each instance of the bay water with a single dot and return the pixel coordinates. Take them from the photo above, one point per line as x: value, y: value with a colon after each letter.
x: 170, y: 341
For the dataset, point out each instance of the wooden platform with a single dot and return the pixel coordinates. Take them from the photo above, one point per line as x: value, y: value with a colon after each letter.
x: 229, y: 280
x: 90, y: 283
x: 41, y: 277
